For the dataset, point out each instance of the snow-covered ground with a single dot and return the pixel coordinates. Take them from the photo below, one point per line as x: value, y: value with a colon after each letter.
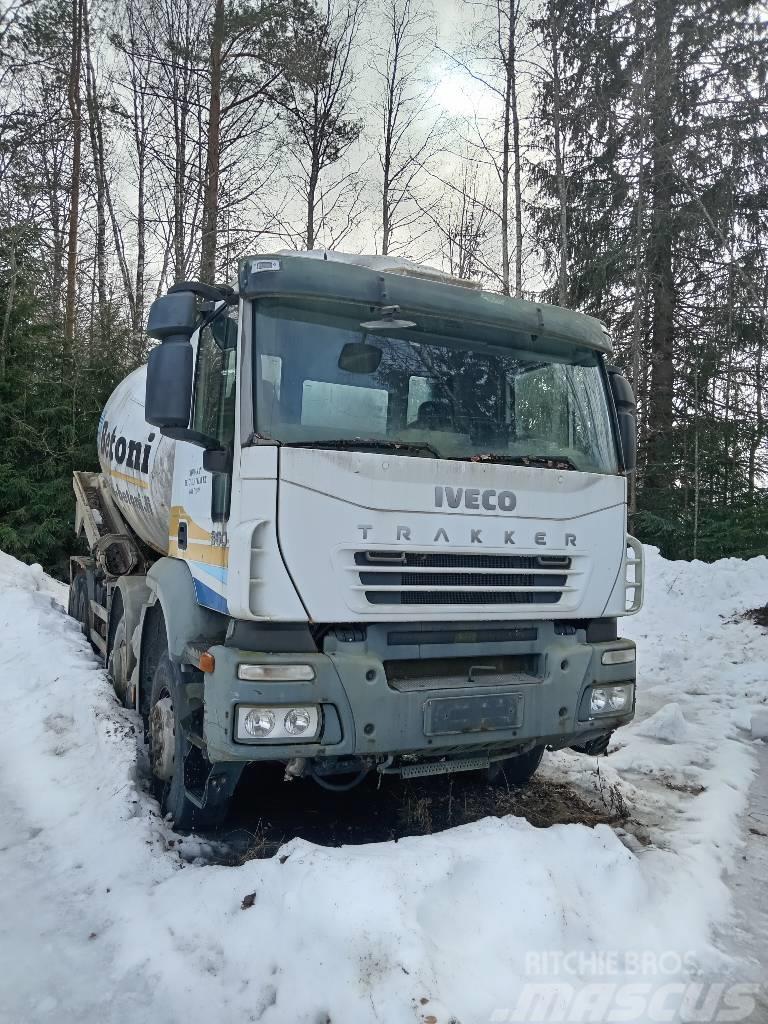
x: 105, y: 917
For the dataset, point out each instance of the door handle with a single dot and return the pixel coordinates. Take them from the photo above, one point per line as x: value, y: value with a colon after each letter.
x: 181, y: 536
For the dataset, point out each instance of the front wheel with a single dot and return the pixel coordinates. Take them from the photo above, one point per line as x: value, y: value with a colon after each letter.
x: 516, y: 771
x: 169, y: 749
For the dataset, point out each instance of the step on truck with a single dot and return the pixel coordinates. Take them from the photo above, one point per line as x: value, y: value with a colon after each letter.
x: 356, y: 517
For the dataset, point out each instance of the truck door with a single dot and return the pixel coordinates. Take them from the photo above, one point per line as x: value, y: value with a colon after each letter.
x: 201, y: 499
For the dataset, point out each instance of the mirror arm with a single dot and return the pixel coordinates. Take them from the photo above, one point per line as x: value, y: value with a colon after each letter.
x: 214, y: 293
x: 218, y: 460
x: 191, y: 437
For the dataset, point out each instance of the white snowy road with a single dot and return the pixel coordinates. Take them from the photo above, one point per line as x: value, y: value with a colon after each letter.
x: 101, y: 920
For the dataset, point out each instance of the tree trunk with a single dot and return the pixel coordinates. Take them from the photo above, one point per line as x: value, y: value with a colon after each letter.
x: 100, y: 176
x: 517, y: 173
x: 660, y: 402
x: 638, y: 299
x: 385, y: 221
x: 75, y: 110
x: 10, y: 295
x: 314, y: 177
x: 562, y: 190
x: 757, y: 436
x: 505, y: 146
x: 213, y: 152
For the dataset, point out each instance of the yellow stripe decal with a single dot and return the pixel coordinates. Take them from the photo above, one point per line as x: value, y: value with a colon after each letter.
x: 129, y: 479
x: 199, y: 547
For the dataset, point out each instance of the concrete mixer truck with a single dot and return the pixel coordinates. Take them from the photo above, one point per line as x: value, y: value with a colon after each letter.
x: 358, y: 518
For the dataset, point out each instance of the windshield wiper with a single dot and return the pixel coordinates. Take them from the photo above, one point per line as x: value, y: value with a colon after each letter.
x: 362, y: 442
x: 542, y: 461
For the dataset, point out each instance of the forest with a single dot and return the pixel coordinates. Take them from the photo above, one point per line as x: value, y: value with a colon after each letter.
x: 606, y: 155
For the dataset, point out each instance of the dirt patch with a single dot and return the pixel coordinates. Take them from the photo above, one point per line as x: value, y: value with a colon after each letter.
x: 691, y: 788
x: 267, y: 812
x: 757, y: 615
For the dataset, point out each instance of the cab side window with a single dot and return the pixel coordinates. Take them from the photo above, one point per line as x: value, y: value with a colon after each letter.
x: 214, y: 408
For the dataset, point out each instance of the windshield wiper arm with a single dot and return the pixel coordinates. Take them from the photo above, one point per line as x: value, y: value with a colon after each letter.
x: 362, y: 442
x: 545, y: 461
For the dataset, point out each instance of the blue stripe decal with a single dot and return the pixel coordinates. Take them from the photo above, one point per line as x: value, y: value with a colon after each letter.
x: 217, y: 571
x: 209, y: 598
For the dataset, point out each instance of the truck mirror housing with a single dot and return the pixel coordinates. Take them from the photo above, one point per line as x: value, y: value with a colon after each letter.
x: 172, y: 317
x: 168, y: 397
x: 626, y: 412
x: 360, y: 357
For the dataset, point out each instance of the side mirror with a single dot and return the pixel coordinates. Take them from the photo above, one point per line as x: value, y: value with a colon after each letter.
x: 224, y: 330
x: 626, y: 412
x: 168, y: 396
x: 360, y: 357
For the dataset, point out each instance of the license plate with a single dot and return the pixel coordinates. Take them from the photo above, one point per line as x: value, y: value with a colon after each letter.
x: 451, y: 716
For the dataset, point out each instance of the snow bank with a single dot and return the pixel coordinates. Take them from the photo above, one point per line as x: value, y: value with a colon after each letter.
x: 101, y: 919
x: 667, y: 724
x: 758, y: 724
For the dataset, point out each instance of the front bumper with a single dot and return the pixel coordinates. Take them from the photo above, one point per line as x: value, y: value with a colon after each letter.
x: 363, y: 715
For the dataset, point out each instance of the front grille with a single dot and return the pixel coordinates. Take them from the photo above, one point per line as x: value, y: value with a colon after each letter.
x: 470, y: 635
x: 456, y: 673
x: 443, y: 578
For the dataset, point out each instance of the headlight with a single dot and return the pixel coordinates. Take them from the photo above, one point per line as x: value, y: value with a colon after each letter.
x: 625, y: 656
x: 610, y: 700
x: 277, y: 723
x: 257, y: 723
x: 276, y: 673
x: 297, y: 721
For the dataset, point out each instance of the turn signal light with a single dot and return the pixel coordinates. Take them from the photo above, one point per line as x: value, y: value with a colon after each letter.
x: 207, y: 662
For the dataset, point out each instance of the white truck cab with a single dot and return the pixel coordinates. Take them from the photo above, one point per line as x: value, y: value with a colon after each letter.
x: 375, y: 521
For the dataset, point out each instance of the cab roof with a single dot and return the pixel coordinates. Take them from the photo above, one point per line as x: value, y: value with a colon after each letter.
x: 395, y: 281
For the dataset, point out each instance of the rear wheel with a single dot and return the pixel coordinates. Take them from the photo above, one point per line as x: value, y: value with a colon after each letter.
x: 516, y: 771
x: 169, y: 749
x: 79, y: 604
x: 117, y: 663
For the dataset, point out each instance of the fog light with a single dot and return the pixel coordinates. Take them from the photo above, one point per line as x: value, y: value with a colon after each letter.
x: 257, y: 723
x: 297, y: 721
x: 623, y: 657
x: 276, y: 673
x: 610, y: 700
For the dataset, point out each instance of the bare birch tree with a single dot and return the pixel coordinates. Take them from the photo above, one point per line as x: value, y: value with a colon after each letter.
x: 402, y: 108
x: 75, y: 109
x: 323, y: 125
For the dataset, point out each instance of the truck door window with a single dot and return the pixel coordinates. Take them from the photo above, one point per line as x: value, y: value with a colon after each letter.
x: 214, y: 407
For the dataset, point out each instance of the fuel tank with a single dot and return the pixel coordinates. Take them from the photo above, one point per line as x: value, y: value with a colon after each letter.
x: 137, y: 461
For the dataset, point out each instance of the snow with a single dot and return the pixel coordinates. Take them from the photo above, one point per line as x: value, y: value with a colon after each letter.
x: 105, y: 915
x: 758, y: 724
x: 667, y: 724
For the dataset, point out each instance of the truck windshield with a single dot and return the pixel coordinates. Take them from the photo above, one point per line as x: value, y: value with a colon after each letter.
x: 326, y: 374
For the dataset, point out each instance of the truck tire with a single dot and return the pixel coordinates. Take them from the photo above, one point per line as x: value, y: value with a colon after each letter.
x: 516, y: 771
x: 79, y: 605
x: 117, y: 662
x: 168, y: 749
